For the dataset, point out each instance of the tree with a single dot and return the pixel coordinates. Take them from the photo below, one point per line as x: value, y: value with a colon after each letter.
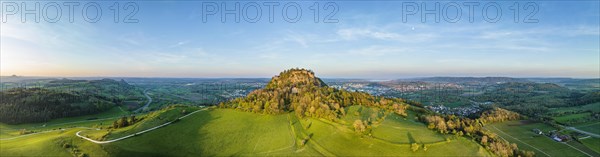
x: 431, y: 126
x: 359, y: 126
x: 115, y: 124
x: 300, y: 111
x: 400, y: 109
x: 414, y: 147
x: 484, y: 140
x: 123, y: 122
x: 132, y: 119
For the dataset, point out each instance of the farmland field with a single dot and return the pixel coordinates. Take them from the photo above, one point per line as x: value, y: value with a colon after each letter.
x: 521, y: 133
x: 595, y: 107
x: 592, y: 127
x: 592, y: 143
x: 564, y: 119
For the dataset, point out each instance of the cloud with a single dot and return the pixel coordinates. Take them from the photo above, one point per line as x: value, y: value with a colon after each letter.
x: 180, y: 43
x: 370, y: 33
x: 377, y: 51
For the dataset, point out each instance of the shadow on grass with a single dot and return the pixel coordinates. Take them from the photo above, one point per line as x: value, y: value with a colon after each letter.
x: 411, y: 139
x: 177, y: 139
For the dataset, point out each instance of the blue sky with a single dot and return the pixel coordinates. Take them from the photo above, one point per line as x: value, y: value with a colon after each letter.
x: 370, y: 40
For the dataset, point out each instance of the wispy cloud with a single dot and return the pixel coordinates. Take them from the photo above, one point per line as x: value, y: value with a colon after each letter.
x: 368, y: 33
x: 180, y: 43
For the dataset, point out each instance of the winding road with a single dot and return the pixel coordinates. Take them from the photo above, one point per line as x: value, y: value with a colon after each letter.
x: 118, y: 139
x: 147, y: 103
x: 134, y: 134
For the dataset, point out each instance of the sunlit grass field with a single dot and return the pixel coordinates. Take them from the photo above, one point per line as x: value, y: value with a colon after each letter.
x: 227, y: 132
x: 95, y: 120
x: 522, y: 134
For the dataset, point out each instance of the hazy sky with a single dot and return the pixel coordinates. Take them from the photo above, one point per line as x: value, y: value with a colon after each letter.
x: 369, y: 40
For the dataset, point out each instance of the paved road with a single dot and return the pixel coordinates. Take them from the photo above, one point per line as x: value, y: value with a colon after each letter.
x: 583, y: 132
x: 102, y: 142
x: 121, y: 138
x: 147, y: 103
x: 134, y: 134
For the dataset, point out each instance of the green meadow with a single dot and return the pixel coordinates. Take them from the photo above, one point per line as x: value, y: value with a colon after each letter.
x: 520, y: 132
x: 592, y: 127
x: 227, y: 132
x: 592, y: 143
x: 595, y: 107
x: 95, y: 120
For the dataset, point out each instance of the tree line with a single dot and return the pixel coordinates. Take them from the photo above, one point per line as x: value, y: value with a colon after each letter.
x: 450, y: 124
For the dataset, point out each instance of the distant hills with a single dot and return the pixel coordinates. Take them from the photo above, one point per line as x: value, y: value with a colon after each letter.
x: 465, y: 79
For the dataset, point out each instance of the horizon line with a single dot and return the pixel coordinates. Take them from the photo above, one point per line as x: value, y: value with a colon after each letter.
x: 349, y: 78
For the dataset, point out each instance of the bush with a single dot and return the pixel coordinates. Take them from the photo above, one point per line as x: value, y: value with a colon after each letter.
x: 359, y: 126
x: 414, y: 147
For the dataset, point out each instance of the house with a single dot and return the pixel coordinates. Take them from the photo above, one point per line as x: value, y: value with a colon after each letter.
x: 560, y: 138
x: 564, y: 138
x: 555, y: 138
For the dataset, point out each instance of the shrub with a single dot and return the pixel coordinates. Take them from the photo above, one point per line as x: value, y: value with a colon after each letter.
x: 414, y: 147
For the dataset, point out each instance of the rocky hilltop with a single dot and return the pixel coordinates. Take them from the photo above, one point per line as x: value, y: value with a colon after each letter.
x: 295, y: 78
x: 299, y: 90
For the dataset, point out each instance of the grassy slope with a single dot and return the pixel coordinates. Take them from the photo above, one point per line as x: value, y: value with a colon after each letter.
x: 342, y: 141
x: 523, y: 133
x: 223, y: 132
x: 35, y: 145
x: 398, y: 129
x: 219, y: 132
x: 593, y: 107
x: 7, y: 131
x: 593, y: 127
x: 592, y: 143
x: 49, y: 144
x: 565, y: 118
x: 151, y: 120
x: 229, y: 132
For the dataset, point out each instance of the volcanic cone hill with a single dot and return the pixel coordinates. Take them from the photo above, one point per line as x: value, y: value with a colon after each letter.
x: 299, y: 90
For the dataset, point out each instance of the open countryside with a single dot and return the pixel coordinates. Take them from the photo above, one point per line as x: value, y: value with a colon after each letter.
x: 351, y: 78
